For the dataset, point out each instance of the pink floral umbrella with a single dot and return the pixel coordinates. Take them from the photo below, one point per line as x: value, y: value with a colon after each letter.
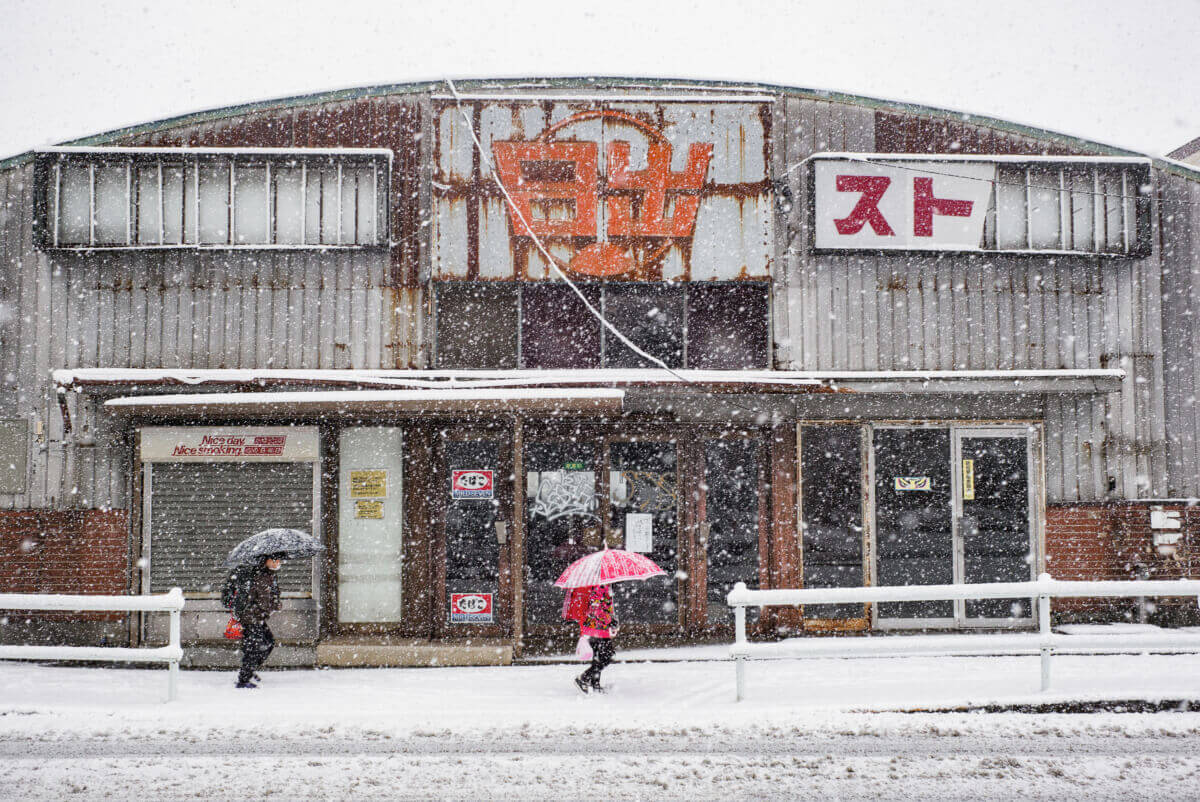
x: 607, y: 566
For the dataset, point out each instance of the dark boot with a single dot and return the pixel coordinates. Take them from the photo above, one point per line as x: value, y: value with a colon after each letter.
x: 582, y: 683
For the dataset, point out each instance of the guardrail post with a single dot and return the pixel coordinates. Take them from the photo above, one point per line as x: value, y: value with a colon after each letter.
x: 739, y: 641
x: 1044, y: 630
x: 175, y: 642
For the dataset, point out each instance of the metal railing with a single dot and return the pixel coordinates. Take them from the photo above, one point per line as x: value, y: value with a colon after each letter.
x: 1043, y: 641
x: 170, y: 602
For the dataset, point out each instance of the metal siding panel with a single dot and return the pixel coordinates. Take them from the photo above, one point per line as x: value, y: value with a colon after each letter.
x: 1153, y: 344
x: 1054, y: 451
x: 944, y: 323
x: 927, y: 284
x: 1034, y: 284
x: 855, y: 324
x: 139, y: 325
x: 1018, y: 276
x: 840, y: 313
x: 1126, y: 348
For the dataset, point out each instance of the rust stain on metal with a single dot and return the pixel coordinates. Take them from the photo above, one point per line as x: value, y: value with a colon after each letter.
x: 613, y: 193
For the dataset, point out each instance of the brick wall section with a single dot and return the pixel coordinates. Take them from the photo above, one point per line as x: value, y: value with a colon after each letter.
x: 77, y: 551
x: 1114, y: 541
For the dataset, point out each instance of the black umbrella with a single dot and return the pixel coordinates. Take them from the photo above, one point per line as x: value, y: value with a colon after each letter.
x: 291, y: 543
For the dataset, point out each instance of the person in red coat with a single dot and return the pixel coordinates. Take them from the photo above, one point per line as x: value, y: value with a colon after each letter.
x: 592, y: 607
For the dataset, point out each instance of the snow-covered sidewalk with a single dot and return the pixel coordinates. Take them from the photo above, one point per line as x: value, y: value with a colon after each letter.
x: 823, y: 727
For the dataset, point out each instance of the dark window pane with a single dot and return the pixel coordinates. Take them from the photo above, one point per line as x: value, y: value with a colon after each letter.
x: 476, y: 326
x: 727, y: 326
x: 562, y: 520
x: 472, y: 553
x: 731, y: 511
x: 913, y: 527
x: 831, y: 478
x: 557, y: 330
x: 643, y: 480
x: 651, y: 315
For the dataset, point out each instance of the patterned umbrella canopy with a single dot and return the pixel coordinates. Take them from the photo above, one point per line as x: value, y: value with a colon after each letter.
x: 607, y: 566
x: 291, y: 543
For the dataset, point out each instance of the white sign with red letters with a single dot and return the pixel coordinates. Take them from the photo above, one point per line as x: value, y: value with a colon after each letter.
x: 901, y: 205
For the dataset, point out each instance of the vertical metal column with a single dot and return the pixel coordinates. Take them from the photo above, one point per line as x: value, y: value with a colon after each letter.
x: 739, y: 643
x: 1044, y: 630
x: 174, y: 642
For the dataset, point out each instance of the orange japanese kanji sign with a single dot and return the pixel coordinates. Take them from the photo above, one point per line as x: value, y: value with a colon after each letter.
x: 557, y: 192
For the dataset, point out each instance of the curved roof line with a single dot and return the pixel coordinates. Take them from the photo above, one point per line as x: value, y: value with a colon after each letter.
x: 597, y: 83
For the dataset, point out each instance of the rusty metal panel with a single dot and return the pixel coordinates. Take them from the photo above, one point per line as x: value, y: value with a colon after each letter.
x: 642, y: 191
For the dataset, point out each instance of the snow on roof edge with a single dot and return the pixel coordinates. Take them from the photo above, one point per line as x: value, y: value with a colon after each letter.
x: 462, y: 379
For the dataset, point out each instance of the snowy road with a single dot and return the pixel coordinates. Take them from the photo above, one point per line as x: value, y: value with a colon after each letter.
x: 822, y: 729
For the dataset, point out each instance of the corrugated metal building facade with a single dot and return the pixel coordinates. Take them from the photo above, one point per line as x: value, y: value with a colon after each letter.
x: 358, y: 242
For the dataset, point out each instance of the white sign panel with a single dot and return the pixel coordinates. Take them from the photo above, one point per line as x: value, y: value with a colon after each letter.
x: 901, y: 205
x: 639, y: 532
x: 229, y: 444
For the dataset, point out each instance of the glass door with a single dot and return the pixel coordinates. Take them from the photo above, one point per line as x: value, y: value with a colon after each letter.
x: 954, y: 505
x: 562, y: 518
x: 914, y: 521
x: 475, y: 536
x: 995, y: 516
x: 643, y: 516
x: 731, y: 514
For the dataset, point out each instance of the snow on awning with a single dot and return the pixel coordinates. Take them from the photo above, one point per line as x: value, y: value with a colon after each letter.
x: 108, y: 380
x: 550, y: 401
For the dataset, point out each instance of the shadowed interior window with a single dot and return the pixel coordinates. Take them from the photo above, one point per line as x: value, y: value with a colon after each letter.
x: 557, y: 330
x: 727, y: 326
x: 476, y: 326
x: 651, y: 316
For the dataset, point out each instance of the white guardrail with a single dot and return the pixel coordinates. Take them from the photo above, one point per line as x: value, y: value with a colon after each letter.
x: 170, y: 602
x: 1044, y: 640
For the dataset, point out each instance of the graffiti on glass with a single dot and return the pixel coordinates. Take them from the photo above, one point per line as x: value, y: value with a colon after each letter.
x: 562, y: 493
x: 644, y: 491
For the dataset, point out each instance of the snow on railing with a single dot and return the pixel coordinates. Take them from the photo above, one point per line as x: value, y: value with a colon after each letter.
x: 1044, y: 640
x: 170, y: 602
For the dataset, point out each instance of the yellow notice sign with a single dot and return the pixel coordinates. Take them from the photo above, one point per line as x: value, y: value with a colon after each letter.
x: 368, y: 508
x: 368, y: 484
x: 968, y: 480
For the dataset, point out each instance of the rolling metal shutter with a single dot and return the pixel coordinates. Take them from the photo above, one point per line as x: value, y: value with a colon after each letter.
x: 199, y: 511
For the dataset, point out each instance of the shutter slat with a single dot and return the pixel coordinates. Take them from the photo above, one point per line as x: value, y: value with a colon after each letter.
x: 199, y: 511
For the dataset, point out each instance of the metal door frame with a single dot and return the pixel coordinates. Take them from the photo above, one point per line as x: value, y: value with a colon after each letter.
x: 1028, y: 433
x: 501, y: 627
x: 1032, y: 432
x: 677, y: 436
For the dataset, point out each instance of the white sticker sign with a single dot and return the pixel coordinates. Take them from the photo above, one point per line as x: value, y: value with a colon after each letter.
x: 639, y: 532
x: 229, y: 444
x: 908, y: 205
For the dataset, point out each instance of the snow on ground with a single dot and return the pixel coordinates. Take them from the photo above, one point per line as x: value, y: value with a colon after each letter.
x: 824, y: 728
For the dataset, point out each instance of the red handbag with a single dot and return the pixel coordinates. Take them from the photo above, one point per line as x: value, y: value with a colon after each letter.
x: 233, y: 630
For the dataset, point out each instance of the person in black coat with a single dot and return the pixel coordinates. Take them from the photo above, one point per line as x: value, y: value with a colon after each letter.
x: 253, y: 608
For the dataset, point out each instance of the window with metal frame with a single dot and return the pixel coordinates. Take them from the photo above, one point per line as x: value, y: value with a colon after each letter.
x: 544, y: 325
x: 212, y: 198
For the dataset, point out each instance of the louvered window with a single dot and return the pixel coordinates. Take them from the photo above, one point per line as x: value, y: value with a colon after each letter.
x: 212, y: 198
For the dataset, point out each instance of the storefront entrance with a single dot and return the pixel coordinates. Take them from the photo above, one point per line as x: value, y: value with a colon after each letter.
x: 953, y: 505
x: 692, y: 501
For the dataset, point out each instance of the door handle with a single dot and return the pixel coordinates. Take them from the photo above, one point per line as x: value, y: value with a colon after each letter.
x: 501, y: 532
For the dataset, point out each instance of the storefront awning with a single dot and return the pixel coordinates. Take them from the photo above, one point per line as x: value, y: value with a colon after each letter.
x: 547, y: 401
x: 1053, y: 381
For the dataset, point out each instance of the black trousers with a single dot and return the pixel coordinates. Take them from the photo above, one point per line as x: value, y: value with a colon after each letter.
x: 257, y: 644
x: 603, y: 650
